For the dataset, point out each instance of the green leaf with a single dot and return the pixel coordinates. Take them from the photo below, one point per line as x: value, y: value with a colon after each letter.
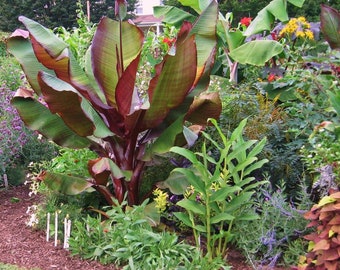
x: 192, y: 206
x: 248, y: 217
x: 256, y: 52
x: 197, y: 5
x: 177, y: 183
x: 193, y: 178
x: 335, y: 100
x: 37, y: 117
x: 223, y: 193
x: 239, y: 200
x: 185, y: 153
x: 330, y: 26
x: 22, y: 50
x: 184, y: 218
x: 173, y: 15
x: 221, y: 217
x: 264, y: 20
x: 65, y: 184
x: 298, y: 3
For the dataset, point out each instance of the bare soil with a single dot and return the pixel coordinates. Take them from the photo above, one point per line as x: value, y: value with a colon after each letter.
x: 24, y: 247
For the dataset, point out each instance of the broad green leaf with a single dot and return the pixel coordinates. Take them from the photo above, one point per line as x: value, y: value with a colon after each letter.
x: 264, y: 20
x: 330, y: 26
x: 72, y: 107
x: 194, y: 179
x: 205, y: 31
x: 37, y: 117
x: 177, y: 183
x: 298, y: 3
x: 192, y: 206
x: 221, y: 217
x: 65, y: 184
x: 22, y: 50
x: 223, y: 193
x: 115, y: 45
x: 197, y: 5
x: 256, y: 52
x: 173, y: 15
x: 185, y: 153
x: 166, y: 140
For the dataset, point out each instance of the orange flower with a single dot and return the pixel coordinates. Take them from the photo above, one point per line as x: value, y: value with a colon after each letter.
x: 245, y: 21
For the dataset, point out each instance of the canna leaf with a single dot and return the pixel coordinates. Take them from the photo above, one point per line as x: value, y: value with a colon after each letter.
x: 173, y: 15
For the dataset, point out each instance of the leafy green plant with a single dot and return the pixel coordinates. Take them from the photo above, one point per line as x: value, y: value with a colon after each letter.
x: 101, y: 108
x: 126, y: 239
x: 219, y: 190
x: 324, y: 241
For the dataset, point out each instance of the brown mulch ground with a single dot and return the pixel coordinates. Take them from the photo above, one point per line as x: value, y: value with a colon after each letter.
x: 22, y: 246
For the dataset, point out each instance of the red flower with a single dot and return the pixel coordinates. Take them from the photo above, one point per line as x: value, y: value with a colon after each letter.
x: 271, y: 77
x: 245, y: 21
x: 168, y: 41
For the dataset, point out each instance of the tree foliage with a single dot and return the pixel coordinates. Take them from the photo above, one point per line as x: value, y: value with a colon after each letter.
x: 54, y: 13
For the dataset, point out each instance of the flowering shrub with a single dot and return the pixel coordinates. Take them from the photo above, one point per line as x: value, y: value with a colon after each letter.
x: 13, y: 135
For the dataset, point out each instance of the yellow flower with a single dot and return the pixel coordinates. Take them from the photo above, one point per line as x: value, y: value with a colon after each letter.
x: 161, y: 199
x: 298, y: 27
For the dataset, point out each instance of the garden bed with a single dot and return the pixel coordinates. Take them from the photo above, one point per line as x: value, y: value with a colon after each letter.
x: 24, y: 247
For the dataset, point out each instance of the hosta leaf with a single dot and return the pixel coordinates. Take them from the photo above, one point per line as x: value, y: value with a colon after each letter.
x: 37, y: 117
x: 192, y: 206
x: 65, y: 184
x: 335, y: 100
x: 256, y: 52
x: 330, y: 26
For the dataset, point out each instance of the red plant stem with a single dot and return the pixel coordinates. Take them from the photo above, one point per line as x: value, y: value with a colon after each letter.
x: 134, y: 184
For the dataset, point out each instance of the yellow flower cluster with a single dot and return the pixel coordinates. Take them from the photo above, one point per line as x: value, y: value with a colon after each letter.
x: 298, y: 27
x: 161, y: 199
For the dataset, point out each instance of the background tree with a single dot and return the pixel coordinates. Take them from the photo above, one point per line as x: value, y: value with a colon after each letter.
x: 54, y: 13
